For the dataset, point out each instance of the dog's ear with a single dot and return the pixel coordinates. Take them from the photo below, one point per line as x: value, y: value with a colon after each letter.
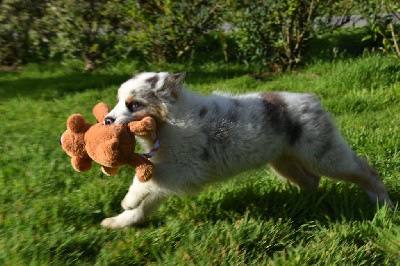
x: 172, y: 86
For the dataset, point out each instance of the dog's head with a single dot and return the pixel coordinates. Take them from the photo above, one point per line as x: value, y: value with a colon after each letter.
x: 146, y: 94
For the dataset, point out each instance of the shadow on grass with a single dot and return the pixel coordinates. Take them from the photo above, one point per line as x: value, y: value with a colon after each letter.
x: 327, y: 204
x: 50, y: 87
x: 56, y: 86
x: 324, y: 205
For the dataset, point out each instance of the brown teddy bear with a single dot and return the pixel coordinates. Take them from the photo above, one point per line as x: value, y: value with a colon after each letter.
x: 109, y: 145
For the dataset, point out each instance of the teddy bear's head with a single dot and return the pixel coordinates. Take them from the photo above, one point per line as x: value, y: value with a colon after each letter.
x: 73, y: 142
x: 109, y: 145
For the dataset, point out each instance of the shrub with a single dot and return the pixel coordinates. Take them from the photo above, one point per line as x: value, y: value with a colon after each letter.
x: 84, y: 29
x: 271, y: 31
x: 22, y: 36
x: 384, y: 28
x: 58, y: 29
x: 169, y: 30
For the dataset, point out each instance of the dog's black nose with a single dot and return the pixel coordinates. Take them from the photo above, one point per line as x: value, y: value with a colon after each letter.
x: 108, y: 120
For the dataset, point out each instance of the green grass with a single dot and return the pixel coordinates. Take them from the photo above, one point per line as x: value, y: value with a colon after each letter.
x: 50, y: 214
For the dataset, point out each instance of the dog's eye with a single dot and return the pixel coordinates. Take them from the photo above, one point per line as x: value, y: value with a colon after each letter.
x: 133, y: 106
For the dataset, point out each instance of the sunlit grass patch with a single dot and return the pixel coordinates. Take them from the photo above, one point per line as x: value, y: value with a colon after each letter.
x: 50, y: 214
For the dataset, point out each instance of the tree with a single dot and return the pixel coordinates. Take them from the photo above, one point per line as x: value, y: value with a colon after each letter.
x: 384, y: 28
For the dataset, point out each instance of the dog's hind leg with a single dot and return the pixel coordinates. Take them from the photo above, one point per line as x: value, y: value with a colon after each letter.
x: 294, y: 170
x: 357, y: 170
x: 340, y: 162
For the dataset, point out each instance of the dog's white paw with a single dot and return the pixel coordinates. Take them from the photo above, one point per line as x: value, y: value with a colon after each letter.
x: 126, y: 205
x: 126, y: 218
x: 110, y: 223
x: 132, y: 200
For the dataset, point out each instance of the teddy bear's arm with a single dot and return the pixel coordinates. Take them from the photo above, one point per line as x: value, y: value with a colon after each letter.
x: 143, y: 127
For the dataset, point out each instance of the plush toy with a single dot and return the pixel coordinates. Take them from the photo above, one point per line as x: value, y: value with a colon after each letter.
x: 109, y: 145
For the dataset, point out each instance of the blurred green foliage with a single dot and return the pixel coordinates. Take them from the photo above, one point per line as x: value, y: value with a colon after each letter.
x: 270, y: 34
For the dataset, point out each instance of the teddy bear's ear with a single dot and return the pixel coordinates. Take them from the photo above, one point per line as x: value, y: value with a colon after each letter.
x: 77, y: 123
x: 100, y: 111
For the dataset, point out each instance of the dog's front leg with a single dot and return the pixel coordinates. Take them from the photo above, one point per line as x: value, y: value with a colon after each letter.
x: 137, y: 192
x: 143, y: 199
x: 139, y: 203
x: 137, y: 215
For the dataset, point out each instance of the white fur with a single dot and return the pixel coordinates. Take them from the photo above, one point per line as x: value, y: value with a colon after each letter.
x: 205, y: 139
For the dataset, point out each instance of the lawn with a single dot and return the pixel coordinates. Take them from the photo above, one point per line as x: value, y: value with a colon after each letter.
x: 50, y: 214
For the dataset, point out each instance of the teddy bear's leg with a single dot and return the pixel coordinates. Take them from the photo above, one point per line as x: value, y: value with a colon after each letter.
x: 110, y: 171
x: 145, y: 171
x: 135, y: 216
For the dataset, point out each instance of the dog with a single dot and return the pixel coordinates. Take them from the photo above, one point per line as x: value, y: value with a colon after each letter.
x: 206, y: 139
